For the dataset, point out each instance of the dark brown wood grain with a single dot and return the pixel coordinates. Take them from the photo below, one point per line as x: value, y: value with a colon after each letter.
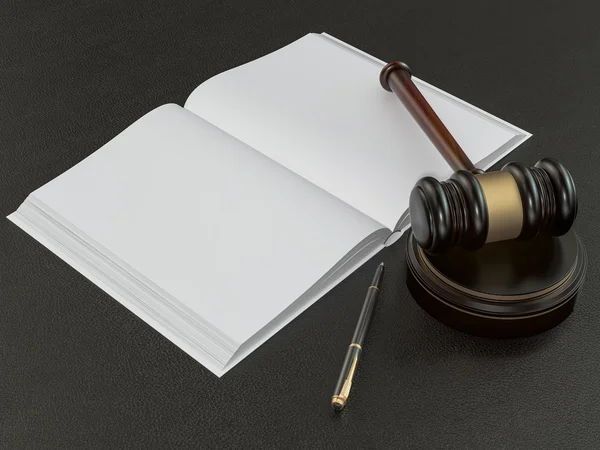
x: 396, y: 77
x: 506, y: 290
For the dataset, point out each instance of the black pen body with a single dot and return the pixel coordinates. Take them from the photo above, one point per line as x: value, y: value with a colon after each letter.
x: 366, y: 315
x: 342, y: 388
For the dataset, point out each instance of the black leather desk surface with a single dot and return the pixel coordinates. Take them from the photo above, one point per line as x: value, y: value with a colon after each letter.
x: 79, y: 370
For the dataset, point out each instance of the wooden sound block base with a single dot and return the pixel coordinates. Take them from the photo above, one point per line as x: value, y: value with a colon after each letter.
x: 506, y: 289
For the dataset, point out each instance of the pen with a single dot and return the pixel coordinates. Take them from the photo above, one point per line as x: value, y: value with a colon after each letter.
x: 342, y: 388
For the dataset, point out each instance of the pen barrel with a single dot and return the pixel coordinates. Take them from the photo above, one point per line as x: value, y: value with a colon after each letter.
x: 344, y: 383
x: 365, y: 316
x: 342, y: 388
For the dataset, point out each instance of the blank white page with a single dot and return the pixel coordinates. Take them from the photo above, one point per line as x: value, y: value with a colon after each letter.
x: 231, y: 234
x: 317, y: 107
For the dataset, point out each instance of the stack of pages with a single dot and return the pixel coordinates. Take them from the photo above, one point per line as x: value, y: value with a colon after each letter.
x: 219, y: 222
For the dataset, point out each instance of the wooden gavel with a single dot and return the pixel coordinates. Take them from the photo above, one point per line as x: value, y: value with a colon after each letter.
x: 474, y: 207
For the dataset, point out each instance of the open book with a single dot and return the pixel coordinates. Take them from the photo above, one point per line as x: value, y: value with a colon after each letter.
x: 220, y: 222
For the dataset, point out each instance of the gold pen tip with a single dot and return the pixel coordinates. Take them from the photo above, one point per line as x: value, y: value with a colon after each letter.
x: 382, y: 265
x: 337, y: 403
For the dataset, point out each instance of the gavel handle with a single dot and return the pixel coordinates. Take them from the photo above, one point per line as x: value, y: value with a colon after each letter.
x: 396, y: 77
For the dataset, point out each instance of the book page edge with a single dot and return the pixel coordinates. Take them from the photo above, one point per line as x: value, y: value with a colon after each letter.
x: 428, y: 87
x: 245, y: 352
x: 195, y: 353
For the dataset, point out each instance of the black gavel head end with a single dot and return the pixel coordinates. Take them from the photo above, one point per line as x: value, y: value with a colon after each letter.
x: 470, y: 210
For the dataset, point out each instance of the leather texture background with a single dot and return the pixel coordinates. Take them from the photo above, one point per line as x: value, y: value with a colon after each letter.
x: 79, y: 370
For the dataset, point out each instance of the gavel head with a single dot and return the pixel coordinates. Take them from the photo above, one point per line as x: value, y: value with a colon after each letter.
x: 470, y: 210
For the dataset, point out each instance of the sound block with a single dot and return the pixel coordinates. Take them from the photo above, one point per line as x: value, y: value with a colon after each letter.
x: 506, y: 289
